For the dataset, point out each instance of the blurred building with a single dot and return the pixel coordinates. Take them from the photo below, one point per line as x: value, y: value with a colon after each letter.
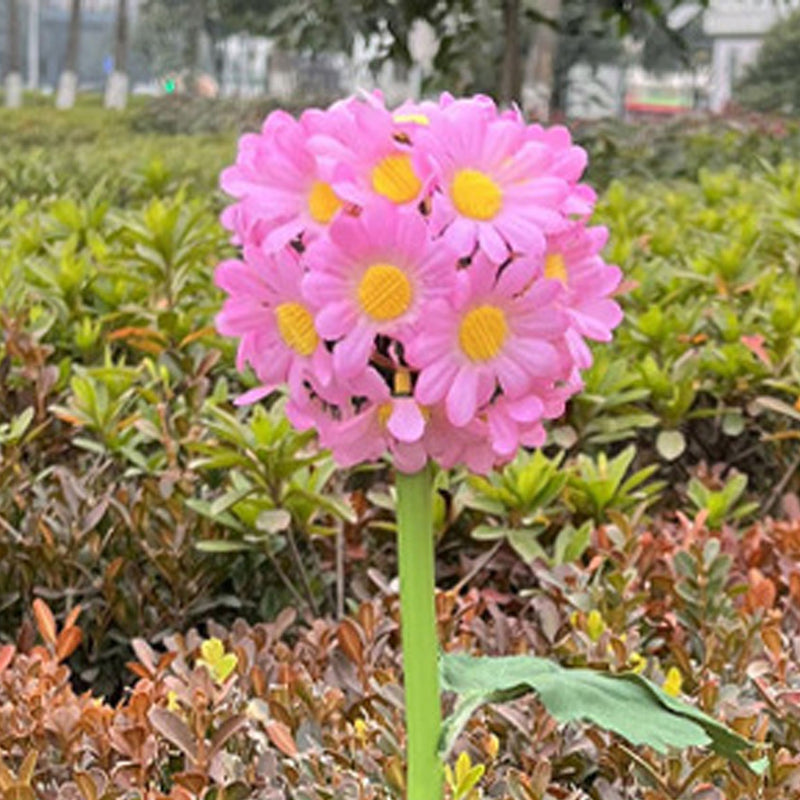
x: 96, y: 40
x: 736, y: 28
x: 252, y: 66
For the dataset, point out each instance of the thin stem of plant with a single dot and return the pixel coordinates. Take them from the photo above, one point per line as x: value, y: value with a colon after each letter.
x: 287, y: 582
x: 341, y: 545
x: 301, y: 568
x: 419, y: 634
x: 477, y: 566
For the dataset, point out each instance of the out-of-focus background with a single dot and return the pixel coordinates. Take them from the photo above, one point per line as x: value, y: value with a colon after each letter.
x: 581, y: 58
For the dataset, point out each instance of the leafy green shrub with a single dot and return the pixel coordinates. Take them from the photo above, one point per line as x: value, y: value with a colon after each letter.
x: 685, y: 146
x: 131, y: 484
x: 705, y: 366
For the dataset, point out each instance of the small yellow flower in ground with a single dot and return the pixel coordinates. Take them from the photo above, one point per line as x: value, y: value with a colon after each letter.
x: 172, y: 700
x: 214, y: 658
x: 673, y: 683
x: 361, y: 731
x: 595, y: 625
x: 637, y: 662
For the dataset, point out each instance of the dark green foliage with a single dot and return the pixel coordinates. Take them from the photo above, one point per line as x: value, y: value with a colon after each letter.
x: 771, y: 83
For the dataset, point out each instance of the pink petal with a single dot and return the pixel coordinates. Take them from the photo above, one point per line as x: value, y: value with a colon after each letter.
x: 462, y: 398
x: 351, y: 354
x: 253, y: 395
x: 505, y: 438
x: 406, y: 422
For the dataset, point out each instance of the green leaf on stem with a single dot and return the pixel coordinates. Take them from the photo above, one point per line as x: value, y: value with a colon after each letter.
x: 625, y: 704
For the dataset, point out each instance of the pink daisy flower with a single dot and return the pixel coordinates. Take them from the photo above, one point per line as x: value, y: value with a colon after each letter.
x: 279, y: 181
x: 515, y: 422
x: 573, y: 258
x: 359, y: 420
x: 497, y: 189
x: 450, y: 447
x: 375, y: 274
x: 498, y: 334
x: 266, y: 310
x: 388, y: 423
x: 569, y: 161
x: 373, y: 157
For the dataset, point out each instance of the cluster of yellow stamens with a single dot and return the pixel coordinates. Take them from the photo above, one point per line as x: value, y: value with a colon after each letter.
x: 482, y: 332
x: 394, y: 177
x: 296, y: 327
x: 476, y: 195
x: 322, y: 202
x: 385, y: 292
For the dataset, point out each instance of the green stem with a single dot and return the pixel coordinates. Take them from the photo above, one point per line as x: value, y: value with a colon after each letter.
x: 419, y: 633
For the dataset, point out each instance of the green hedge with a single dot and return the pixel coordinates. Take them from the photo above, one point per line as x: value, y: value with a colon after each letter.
x: 130, y: 484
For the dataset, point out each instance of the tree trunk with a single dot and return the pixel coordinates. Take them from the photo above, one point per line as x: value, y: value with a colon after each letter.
x: 33, y: 44
x: 117, y: 86
x: 541, y: 64
x: 68, y: 80
x: 13, y: 82
x: 194, y: 32
x: 511, y: 73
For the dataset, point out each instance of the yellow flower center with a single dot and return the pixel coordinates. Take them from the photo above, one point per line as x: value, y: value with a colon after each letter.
x: 384, y: 292
x: 555, y: 268
x: 419, y: 119
x: 476, y: 195
x: 482, y: 333
x: 322, y: 202
x: 394, y: 178
x: 296, y: 327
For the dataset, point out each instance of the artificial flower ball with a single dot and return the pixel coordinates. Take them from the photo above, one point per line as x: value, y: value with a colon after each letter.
x: 423, y: 281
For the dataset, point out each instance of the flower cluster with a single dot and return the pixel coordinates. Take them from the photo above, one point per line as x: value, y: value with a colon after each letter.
x: 423, y: 279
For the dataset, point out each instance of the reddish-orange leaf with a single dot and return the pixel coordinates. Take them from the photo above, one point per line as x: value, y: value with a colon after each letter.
x: 68, y: 418
x: 794, y: 586
x: 350, y: 642
x: 165, y: 659
x: 281, y: 737
x: 45, y: 621
x: 67, y: 642
x: 366, y: 616
x: 259, y: 681
x: 86, y: 785
x: 761, y: 593
x: 209, y: 330
x: 148, y: 345
x: 132, y: 330
x: 193, y: 782
x: 138, y: 669
x: 755, y: 344
x: 771, y: 637
x: 72, y: 617
x: 7, y: 652
x: 28, y: 767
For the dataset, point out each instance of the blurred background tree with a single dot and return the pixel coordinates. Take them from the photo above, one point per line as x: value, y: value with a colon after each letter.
x: 483, y: 45
x: 68, y: 80
x: 13, y: 74
x: 773, y: 82
x: 490, y: 46
x: 116, y: 94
